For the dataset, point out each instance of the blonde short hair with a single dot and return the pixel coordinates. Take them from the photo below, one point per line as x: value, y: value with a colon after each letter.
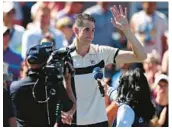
x: 64, y: 21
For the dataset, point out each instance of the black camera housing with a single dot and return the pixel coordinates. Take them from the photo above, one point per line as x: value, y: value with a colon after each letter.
x: 40, y: 53
x: 53, y: 60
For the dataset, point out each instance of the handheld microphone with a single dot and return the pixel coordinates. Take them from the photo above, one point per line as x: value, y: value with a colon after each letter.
x: 98, y: 74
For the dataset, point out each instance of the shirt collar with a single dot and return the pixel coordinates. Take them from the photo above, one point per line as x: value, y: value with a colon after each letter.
x: 92, y: 50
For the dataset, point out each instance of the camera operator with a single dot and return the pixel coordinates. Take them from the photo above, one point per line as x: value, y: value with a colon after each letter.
x: 35, y: 101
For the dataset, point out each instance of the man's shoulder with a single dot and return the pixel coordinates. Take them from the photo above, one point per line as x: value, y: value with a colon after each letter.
x: 19, y: 28
x: 99, y: 47
x: 32, y: 33
x: 102, y: 49
x: 16, y: 85
x: 160, y: 15
x: 56, y: 32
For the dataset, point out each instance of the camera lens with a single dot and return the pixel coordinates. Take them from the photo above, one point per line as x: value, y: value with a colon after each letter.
x: 32, y: 59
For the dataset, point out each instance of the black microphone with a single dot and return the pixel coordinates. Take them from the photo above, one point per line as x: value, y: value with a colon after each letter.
x: 98, y: 74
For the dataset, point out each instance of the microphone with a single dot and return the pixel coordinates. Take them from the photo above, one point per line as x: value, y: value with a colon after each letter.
x: 98, y: 74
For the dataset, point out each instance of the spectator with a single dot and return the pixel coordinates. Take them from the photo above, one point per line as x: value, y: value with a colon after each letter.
x: 104, y: 28
x: 9, y: 119
x: 32, y: 37
x: 165, y: 60
x: 34, y: 16
x: 152, y: 66
x: 56, y: 7
x: 12, y: 59
x: 120, y: 40
x: 26, y: 7
x: 71, y: 9
x: 19, y: 15
x: 161, y: 101
x: 48, y: 38
x: 24, y: 70
x: 16, y: 31
x: 150, y: 27
x: 65, y: 24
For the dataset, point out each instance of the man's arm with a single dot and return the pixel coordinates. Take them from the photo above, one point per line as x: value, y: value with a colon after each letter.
x: 120, y: 21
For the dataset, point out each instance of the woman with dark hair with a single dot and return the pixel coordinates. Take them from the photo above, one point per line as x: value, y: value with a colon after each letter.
x: 133, y: 98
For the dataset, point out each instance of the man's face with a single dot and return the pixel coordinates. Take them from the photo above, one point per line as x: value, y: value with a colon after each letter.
x: 149, y: 7
x: 44, y: 16
x: 162, y: 88
x: 104, y: 5
x: 9, y: 17
x: 86, y: 32
x: 6, y: 38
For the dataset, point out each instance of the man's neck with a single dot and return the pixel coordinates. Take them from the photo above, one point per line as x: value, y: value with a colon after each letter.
x: 45, y: 29
x: 149, y: 13
x: 82, y: 49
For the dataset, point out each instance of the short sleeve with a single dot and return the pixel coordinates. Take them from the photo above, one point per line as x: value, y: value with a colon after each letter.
x: 109, y: 54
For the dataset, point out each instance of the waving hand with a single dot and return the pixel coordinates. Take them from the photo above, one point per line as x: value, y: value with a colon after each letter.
x: 119, y: 19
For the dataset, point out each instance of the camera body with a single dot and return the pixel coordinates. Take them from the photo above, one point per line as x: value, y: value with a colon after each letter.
x: 40, y: 53
x: 53, y: 60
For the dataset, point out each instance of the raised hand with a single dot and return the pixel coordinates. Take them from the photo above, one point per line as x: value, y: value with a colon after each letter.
x: 119, y: 19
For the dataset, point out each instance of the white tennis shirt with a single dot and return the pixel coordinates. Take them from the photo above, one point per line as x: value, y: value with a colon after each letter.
x: 90, y: 103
